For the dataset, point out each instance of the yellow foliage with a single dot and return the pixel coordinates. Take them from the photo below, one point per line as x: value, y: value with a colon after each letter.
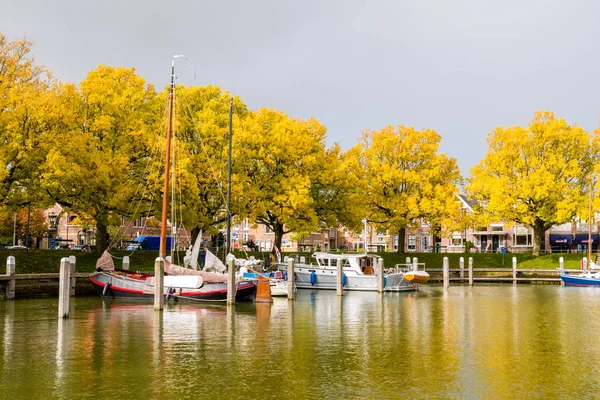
x: 535, y: 175
x: 407, y: 178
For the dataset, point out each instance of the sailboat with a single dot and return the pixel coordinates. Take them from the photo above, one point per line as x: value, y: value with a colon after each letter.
x: 588, y: 277
x: 179, y: 283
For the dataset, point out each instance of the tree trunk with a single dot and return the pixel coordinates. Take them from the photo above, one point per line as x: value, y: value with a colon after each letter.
x: 102, y: 236
x: 401, y: 241
x: 538, y: 235
x: 278, y: 230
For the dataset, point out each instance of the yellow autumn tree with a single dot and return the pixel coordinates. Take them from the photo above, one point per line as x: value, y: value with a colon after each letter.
x: 202, y: 140
x: 24, y: 87
x: 101, y: 145
x: 407, y: 179
x: 535, y: 175
x: 336, y: 189
x: 279, y: 157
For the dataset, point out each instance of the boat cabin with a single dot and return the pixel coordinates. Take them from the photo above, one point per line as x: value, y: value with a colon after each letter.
x: 361, y: 263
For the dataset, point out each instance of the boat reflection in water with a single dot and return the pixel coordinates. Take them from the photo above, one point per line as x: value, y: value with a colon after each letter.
x: 487, y: 341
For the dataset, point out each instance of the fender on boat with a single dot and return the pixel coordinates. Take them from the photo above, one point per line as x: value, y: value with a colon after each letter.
x: 313, y: 278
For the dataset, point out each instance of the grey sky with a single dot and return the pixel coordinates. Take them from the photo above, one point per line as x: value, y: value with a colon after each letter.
x: 458, y: 67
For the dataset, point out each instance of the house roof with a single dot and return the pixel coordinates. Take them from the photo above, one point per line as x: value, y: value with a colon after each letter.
x: 468, y: 203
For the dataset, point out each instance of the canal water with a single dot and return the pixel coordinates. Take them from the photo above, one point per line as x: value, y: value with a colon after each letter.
x: 497, y: 341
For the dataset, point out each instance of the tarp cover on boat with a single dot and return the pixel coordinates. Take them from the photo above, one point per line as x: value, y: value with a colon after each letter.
x: 582, y: 238
x: 557, y: 239
x: 211, y: 277
x: 105, y: 262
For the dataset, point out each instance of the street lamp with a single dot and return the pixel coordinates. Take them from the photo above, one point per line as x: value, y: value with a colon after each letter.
x: 365, y: 229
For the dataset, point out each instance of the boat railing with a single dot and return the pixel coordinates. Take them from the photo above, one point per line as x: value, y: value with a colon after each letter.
x: 408, y: 267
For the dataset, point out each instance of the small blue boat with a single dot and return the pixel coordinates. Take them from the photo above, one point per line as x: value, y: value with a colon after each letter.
x: 580, y: 279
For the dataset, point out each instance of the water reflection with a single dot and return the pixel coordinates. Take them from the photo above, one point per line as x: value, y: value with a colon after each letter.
x: 466, y: 342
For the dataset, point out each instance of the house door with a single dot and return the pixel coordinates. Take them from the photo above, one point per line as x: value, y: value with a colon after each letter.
x: 483, y: 243
x: 495, y: 243
x: 424, y: 243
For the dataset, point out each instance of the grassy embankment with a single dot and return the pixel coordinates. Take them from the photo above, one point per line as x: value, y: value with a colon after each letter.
x: 39, y: 261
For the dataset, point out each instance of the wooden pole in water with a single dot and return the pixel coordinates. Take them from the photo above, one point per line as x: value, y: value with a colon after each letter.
x: 380, y: 275
x: 290, y: 279
x: 64, y: 288
x: 159, y: 284
x: 561, y: 263
x: 470, y: 271
x: 73, y: 261
x: 10, y: 271
x: 462, y: 269
x: 446, y: 273
x: 231, y: 281
x: 514, y: 267
x: 126, y: 263
x: 340, y: 278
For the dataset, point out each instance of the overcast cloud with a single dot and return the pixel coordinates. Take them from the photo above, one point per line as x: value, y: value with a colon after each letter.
x: 458, y: 67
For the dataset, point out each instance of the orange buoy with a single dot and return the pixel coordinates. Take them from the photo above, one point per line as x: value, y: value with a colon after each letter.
x: 263, y: 290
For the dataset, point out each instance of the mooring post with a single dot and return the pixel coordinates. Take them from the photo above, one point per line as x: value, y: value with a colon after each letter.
x: 415, y: 264
x: 470, y: 271
x: 126, y: 263
x: 446, y: 273
x: 290, y: 279
x: 231, y: 281
x: 10, y: 272
x: 408, y: 263
x: 340, y: 278
x: 514, y: 265
x: 561, y: 262
x: 64, y: 287
x: 73, y: 261
x: 159, y: 284
x: 380, y: 275
x: 462, y: 268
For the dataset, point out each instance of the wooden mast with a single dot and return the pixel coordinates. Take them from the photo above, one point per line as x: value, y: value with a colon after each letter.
x: 165, y: 205
x: 228, y: 239
x: 589, y: 264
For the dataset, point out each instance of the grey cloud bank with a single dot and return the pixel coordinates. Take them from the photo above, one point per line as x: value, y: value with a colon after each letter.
x: 461, y: 67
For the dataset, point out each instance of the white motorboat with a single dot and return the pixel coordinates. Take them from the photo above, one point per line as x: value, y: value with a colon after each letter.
x: 359, y: 272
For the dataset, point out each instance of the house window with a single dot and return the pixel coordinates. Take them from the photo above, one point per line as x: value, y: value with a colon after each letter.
x: 138, y: 223
x: 245, y: 224
x: 522, y: 236
x: 457, y: 239
x: 412, y: 242
x: 268, y: 230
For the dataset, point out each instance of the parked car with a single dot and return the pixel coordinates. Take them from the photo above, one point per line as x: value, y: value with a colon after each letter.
x: 18, y: 247
x: 84, y: 247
